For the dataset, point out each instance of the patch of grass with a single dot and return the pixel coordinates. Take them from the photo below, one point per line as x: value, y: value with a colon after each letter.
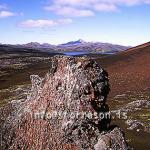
x: 16, y: 92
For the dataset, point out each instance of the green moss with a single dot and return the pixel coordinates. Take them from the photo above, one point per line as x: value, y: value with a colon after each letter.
x: 11, y: 93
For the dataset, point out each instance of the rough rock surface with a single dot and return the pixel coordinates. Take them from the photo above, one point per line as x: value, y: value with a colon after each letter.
x: 62, y: 111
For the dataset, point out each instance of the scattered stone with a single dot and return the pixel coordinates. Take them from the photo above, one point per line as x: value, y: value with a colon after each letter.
x: 113, y: 140
x: 134, y: 125
x: 134, y: 106
x: 120, y: 96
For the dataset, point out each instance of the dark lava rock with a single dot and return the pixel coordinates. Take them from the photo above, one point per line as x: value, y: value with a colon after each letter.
x: 62, y: 111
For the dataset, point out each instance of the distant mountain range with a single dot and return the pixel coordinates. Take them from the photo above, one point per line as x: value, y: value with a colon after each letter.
x: 79, y: 45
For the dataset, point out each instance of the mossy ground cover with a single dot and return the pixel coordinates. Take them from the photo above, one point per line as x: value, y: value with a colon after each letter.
x: 138, y: 139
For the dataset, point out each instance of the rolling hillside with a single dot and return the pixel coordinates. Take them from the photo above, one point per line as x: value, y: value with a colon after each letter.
x: 129, y: 74
x: 128, y: 70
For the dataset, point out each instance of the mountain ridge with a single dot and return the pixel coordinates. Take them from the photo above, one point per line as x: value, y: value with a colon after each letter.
x: 78, y: 45
x: 139, y: 46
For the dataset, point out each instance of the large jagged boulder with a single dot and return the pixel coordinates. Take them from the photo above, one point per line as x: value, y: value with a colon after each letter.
x: 62, y: 111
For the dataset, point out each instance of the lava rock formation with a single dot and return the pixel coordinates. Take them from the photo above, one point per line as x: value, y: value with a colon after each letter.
x: 62, y: 111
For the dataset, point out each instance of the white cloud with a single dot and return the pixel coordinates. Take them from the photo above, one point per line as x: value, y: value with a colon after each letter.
x: 87, y: 2
x: 70, y: 11
x: 5, y: 14
x: 44, y: 23
x: 4, y: 11
x: 82, y: 8
x: 128, y: 2
x: 105, y: 7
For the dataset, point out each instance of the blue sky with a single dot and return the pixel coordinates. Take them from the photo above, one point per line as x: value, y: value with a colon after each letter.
x: 125, y: 22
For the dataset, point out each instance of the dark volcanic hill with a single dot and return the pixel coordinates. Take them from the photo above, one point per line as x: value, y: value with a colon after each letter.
x: 129, y: 70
